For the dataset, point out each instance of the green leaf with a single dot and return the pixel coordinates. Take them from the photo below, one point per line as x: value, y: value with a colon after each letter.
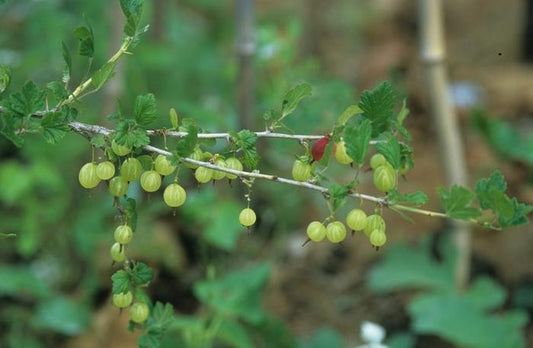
x: 7, y: 235
x: 58, y: 89
x: 491, y: 195
x: 325, y: 337
x: 457, y: 319
x: 129, y: 205
x: 67, y: 70
x: 245, y: 140
x: 62, y: 315
x: 223, y: 219
x: 357, y: 139
x: 402, y: 115
x: 335, y: 138
x: 20, y: 281
x: 407, y: 267
x: 234, y: 335
x: 485, y: 294
x: 163, y: 315
x: 337, y: 194
x: 147, y: 162
x: 86, y: 37
x: 100, y: 77
x: 141, y: 274
x: 391, y: 150
x: 243, y: 301
x: 378, y: 106
x: 5, y: 77
x: 54, y: 125
x: 456, y: 202
x: 404, y: 112
x: 293, y: 97
x: 504, y: 139
x: 9, y: 123
x: 186, y: 144
x: 485, y: 187
x: 128, y: 134
x: 271, y: 114
x: 98, y: 140
x: 406, y: 156
x: 173, y: 118
x: 132, y: 9
x: 145, y: 110
x: 29, y: 100
x: 350, y: 111
x: 121, y: 282
x: 151, y: 338
x: 417, y: 198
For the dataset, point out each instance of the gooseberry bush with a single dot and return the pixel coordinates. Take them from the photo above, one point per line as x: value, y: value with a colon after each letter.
x: 368, y: 139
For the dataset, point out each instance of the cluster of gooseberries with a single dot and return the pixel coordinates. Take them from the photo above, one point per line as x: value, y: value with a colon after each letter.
x: 131, y: 170
x: 174, y: 194
x: 138, y: 310
x: 385, y: 176
x: 373, y: 227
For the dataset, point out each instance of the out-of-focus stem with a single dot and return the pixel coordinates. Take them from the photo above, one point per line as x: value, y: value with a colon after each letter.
x: 246, y: 47
x: 113, y: 88
x: 432, y: 53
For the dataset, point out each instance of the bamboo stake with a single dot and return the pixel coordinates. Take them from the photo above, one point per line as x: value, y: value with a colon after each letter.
x: 432, y: 54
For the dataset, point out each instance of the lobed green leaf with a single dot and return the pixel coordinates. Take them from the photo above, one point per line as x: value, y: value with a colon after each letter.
x: 29, y: 100
x: 145, y: 110
x: 491, y: 195
x: 163, y: 314
x: 337, y: 194
x: 141, y: 274
x: 54, y: 125
x: 417, y: 198
x: 151, y: 338
x: 132, y: 9
x: 186, y: 144
x: 58, y: 90
x: 121, y: 282
x: 357, y: 139
x: 127, y: 133
x: 242, y: 301
x: 391, y: 150
x: 245, y: 140
x: 378, y: 106
x: 457, y: 202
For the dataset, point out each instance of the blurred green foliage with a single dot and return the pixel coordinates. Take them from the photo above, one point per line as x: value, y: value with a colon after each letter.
x: 471, y: 318
x: 504, y: 138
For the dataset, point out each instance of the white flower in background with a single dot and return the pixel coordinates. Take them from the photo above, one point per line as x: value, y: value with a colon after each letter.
x: 373, y: 334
